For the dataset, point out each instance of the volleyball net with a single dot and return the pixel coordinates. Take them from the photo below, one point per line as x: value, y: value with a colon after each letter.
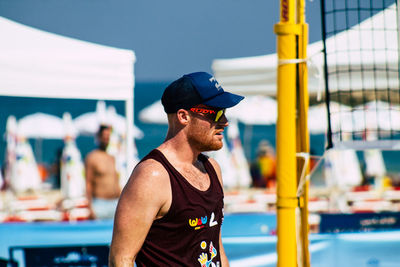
x: 361, y: 54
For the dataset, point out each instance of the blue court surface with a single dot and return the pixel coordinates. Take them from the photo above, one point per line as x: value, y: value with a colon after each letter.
x: 248, y: 240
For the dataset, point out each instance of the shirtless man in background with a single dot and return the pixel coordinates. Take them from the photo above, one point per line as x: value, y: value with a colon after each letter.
x: 102, y: 184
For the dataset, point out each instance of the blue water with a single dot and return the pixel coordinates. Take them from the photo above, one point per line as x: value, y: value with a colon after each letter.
x: 145, y: 94
x: 245, y: 243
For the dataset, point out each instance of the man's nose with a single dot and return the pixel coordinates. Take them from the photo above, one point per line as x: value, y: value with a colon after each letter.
x: 223, y: 121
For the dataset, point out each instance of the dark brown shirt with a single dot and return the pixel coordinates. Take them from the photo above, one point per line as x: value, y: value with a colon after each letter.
x: 188, y: 235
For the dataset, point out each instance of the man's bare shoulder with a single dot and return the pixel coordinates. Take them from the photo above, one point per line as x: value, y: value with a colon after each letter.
x: 149, y: 174
x: 150, y: 168
x: 147, y: 186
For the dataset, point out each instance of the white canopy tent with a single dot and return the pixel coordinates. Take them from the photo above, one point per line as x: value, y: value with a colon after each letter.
x: 257, y: 75
x: 35, y: 63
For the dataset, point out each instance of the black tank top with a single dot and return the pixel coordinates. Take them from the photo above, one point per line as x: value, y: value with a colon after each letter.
x: 188, y: 235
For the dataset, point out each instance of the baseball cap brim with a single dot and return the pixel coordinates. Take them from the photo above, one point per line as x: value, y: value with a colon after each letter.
x: 224, y: 100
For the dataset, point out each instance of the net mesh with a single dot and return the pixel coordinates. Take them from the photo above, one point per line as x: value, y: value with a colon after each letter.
x: 361, y: 45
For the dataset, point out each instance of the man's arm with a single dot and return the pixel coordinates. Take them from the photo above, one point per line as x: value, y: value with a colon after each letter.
x: 224, y: 259
x: 143, y: 199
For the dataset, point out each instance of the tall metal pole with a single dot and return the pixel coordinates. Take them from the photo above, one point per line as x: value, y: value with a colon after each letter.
x: 287, y: 201
x: 130, y: 121
x: 303, y: 141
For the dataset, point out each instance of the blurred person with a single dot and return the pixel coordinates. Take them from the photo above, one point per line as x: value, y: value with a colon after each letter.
x: 55, y: 170
x: 263, y: 169
x: 102, y: 183
x: 171, y: 210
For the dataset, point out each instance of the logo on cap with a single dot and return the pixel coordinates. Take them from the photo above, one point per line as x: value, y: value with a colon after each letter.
x: 216, y: 84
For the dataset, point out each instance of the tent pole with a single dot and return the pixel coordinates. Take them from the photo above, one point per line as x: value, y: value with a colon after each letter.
x: 287, y: 201
x: 129, y: 135
x: 303, y: 142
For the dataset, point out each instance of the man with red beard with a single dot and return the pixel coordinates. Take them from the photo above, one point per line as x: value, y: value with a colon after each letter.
x: 171, y: 210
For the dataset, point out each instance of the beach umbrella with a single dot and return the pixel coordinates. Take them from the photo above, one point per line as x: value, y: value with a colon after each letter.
x: 153, y: 114
x: 255, y: 110
x: 89, y: 123
x: 118, y: 123
x: 41, y: 126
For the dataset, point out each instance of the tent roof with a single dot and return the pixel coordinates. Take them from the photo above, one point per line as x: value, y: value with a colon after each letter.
x: 257, y: 75
x: 35, y: 63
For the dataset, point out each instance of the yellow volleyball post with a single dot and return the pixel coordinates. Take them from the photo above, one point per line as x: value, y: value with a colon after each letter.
x: 287, y: 201
x: 303, y: 141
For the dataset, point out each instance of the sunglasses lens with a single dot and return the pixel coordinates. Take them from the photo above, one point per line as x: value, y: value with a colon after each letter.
x: 219, y: 114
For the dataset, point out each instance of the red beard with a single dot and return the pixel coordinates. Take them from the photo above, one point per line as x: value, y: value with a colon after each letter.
x: 203, y: 140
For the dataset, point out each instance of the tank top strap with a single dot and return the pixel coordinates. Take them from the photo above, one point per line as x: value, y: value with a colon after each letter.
x: 154, y: 154
x: 157, y: 155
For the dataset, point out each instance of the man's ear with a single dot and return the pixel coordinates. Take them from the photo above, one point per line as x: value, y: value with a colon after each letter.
x: 183, y: 116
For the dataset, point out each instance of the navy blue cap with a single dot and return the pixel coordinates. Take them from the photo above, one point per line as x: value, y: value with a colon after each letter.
x: 194, y: 89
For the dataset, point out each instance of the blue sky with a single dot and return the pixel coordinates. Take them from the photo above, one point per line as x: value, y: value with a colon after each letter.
x: 169, y: 37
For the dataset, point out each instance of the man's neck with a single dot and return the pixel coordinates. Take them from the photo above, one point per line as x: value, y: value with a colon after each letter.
x: 181, y: 151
